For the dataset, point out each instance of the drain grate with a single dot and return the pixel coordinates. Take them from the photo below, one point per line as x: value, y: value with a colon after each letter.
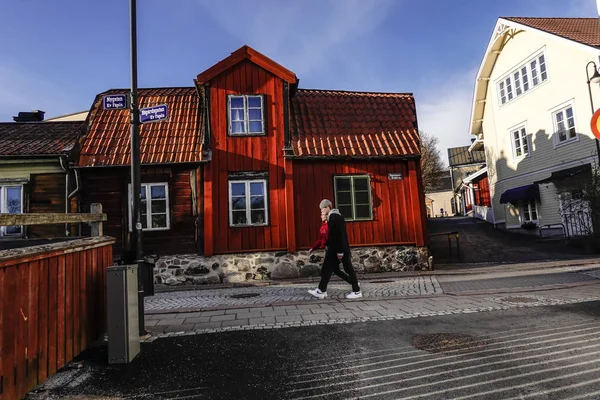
x: 244, y: 295
x: 447, y: 343
x: 519, y: 300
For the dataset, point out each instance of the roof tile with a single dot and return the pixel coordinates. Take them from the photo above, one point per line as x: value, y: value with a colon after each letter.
x: 38, y: 138
x: 582, y: 30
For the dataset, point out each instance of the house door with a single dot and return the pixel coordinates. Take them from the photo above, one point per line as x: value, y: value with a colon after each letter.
x: 576, y: 214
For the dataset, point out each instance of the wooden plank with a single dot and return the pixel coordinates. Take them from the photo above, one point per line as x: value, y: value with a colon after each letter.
x: 208, y: 212
x: 76, y: 298
x: 48, y: 219
x: 23, y: 331
x: 43, y: 326
x: 33, y: 320
x: 3, y: 302
x: 289, y: 204
x: 83, y: 311
x: 69, y: 307
x: 61, y: 301
x: 9, y: 334
x: 95, y: 294
x: 53, y: 316
x: 386, y: 214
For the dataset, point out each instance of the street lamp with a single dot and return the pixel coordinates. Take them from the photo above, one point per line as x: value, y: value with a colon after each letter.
x: 595, y: 78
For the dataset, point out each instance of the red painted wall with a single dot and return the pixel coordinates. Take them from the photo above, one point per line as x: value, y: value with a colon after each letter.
x: 482, y: 196
x: 239, y: 153
x: 398, y: 205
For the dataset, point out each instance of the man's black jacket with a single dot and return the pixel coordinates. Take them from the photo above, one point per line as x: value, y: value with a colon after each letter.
x: 337, y: 243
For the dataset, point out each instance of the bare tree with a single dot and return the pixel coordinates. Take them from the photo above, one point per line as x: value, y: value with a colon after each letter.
x: 432, y: 167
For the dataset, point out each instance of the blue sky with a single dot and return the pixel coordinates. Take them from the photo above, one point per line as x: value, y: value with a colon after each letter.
x: 57, y: 55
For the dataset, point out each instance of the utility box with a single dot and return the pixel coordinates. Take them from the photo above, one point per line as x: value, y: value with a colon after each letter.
x: 122, y: 313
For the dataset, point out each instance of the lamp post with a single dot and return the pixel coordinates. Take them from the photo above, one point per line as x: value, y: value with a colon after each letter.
x: 595, y: 78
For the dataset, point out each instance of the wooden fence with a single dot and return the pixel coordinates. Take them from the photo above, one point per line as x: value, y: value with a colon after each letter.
x: 52, y: 302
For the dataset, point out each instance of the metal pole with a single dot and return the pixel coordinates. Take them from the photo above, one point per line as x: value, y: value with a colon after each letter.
x: 587, y: 73
x: 136, y: 210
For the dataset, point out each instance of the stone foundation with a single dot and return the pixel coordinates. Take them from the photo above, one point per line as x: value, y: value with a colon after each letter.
x: 242, y: 268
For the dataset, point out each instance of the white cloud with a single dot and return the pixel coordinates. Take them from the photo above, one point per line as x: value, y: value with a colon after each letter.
x: 444, y: 111
x: 22, y: 90
x: 302, y: 35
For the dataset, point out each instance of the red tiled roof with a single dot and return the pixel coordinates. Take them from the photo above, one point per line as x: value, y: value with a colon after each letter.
x: 328, y: 123
x: 582, y: 30
x: 176, y: 140
x: 38, y: 138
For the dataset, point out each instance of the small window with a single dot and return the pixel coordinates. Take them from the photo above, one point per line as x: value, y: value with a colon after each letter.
x: 353, y: 197
x: 155, y: 206
x: 520, y: 142
x: 564, y: 125
x: 11, y: 202
x: 248, y: 203
x: 246, y: 115
x: 530, y: 213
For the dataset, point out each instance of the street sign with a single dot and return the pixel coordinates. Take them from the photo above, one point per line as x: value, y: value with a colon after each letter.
x: 395, y: 177
x: 154, y: 114
x: 115, y: 102
x: 595, y: 123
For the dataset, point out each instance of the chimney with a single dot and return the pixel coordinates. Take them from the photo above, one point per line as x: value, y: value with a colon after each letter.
x: 30, y: 116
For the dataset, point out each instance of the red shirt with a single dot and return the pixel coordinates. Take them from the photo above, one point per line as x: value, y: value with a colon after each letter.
x: 323, y: 236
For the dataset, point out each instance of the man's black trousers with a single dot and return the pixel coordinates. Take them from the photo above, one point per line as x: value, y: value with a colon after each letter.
x: 331, y: 265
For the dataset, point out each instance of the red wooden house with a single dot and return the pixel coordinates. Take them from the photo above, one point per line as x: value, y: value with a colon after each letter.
x: 246, y: 156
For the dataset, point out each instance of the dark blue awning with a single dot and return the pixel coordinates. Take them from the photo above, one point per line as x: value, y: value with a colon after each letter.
x: 520, y: 194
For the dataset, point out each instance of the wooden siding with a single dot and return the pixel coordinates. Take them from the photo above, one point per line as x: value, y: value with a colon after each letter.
x: 52, y: 307
x: 482, y: 192
x: 46, y: 194
x: 239, y: 153
x: 109, y: 187
x: 398, y: 205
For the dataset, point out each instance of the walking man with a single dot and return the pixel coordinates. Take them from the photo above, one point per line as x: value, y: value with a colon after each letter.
x: 337, y: 250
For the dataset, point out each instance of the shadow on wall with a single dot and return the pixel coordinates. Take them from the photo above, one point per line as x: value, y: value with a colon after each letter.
x: 540, y: 145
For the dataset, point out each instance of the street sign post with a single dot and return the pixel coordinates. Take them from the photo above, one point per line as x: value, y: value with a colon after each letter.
x: 154, y: 113
x: 115, y: 102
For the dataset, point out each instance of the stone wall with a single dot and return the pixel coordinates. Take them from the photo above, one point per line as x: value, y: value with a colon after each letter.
x: 241, y: 268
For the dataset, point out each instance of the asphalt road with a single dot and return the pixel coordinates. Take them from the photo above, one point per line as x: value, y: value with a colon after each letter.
x: 529, y: 353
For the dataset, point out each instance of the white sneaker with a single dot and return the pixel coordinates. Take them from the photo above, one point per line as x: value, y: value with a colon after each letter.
x: 317, y: 293
x: 354, y: 295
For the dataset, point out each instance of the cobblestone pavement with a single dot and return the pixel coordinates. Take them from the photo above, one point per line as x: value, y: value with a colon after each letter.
x: 207, y: 298
x: 319, y: 312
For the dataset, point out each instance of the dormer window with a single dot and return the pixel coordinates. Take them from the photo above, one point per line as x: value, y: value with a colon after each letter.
x: 246, y: 116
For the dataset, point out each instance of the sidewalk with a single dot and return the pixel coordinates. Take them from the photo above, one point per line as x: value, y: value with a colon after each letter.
x: 385, y: 297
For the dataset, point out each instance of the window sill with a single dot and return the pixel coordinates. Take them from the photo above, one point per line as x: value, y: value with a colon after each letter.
x: 360, y: 220
x: 155, y: 229
x: 566, y: 142
x: 249, y: 226
x: 246, y: 134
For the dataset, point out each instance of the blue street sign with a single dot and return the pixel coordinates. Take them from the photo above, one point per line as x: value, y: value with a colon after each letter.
x: 115, y: 102
x: 153, y: 114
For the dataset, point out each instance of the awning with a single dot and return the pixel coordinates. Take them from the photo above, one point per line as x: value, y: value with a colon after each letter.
x: 567, y: 173
x: 521, y: 193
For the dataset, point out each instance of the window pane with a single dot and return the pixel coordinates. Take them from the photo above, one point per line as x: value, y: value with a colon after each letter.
x: 363, y: 212
x: 158, y: 206
x: 257, y: 202
x: 525, y: 79
x: 361, y: 184
x: 346, y: 211
x: 238, y: 189
x: 13, y: 200
x: 255, y: 115
x: 258, y: 216
x: 516, y: 135
x: 256, y: 127
x: 237, y: 102
x: 342, y: 184
x: 526, y: 213
x: 144, y: 221
x: 254, y: 101
x: 158, y: 192
x: 569, y: 112
x: 257, y: 188
x: 159, y: 221
x: 344, y: 198
x: 534, y: 75
x: 143, y: 192
x: 361, y: 197
x: 238, y: 218
x: 517, y: 82
x: 238, y: 203
x: 237, y: 115
x: 525, y: 146
x: 238, y: 127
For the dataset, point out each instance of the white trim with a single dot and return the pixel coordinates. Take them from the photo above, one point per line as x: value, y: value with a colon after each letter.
x: 246, y: 109
x: 587, y: 160
x: 248, y: 200
x: 522, y: 212
x: 519, y: 128
x: 560, y: 108
x: 352, y: 195
x: 3, y: 209
x: 475, y: 175
x: 148, y: 186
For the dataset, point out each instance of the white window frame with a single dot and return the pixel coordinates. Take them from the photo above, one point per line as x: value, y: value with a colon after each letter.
x: 147, y: 187
x: 246, y: 120
x: 353, y: 197
x: 248, y: 196
x: 516, y: 80
x: 563, y: 109
x: 528, y: 204
x: 3, y: 210
x: 523, y: 141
